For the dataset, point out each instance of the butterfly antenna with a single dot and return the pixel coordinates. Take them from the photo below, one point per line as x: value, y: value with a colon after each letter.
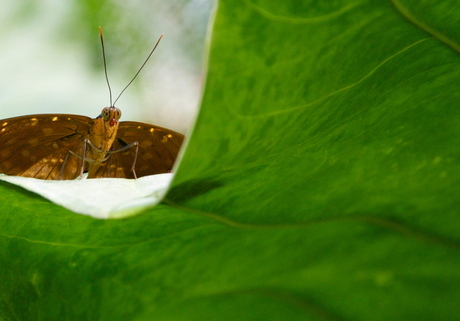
x: 105, y: 65
x: 137, y: 73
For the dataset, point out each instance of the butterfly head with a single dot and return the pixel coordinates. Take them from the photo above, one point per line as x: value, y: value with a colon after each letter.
x: 110, y: 116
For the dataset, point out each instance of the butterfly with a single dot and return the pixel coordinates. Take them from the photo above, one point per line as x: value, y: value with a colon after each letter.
x: 64, y: 146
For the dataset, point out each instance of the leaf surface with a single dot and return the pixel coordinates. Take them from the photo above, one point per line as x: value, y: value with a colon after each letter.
x: 320, y: 183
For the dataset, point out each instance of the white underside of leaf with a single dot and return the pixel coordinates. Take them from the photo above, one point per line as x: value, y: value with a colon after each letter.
x: 102, y: 197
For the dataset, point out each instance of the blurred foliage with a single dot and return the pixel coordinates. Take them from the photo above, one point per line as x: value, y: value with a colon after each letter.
x: 131, y: 28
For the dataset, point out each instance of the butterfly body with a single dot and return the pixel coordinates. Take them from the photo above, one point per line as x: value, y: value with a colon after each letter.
x: 104, y: 130
x: 63, y: 146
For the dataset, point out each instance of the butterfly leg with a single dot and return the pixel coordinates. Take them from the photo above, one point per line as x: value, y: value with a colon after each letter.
x: 61, y: 171
x: 135, y: 159
x: 136, y: 144
x: 83, y: 157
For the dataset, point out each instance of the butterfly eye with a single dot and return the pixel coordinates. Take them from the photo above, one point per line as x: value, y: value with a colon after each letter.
x: 105, y: 114
x: 118, y: 114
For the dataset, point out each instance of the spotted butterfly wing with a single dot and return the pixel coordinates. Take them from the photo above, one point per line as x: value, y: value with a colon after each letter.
x: 50, y: 146
x: 156, y: 154
x: 37, y: 145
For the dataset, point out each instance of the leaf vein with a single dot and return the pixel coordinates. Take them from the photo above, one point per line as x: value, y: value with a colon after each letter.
x: 318, y: 19
x: 296, y: 301
x: 393, y: 225
x: 438, y: 35
x: 345, y: 88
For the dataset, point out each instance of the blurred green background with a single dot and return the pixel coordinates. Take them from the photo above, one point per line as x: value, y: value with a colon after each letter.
x: 51, y: 62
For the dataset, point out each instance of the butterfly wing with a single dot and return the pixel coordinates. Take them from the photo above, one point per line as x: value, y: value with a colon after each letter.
x: 38, y: 145
x: 157, y: 151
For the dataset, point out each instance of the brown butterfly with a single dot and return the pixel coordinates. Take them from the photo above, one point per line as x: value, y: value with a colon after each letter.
x: 64, y: 146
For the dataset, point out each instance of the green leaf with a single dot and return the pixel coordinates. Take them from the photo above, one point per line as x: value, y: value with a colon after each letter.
x: 320, y: 183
